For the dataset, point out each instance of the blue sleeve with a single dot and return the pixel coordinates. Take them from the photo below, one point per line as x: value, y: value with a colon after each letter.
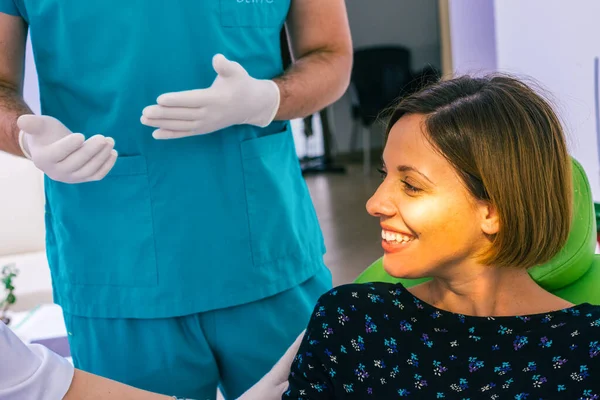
x: 9, y: 7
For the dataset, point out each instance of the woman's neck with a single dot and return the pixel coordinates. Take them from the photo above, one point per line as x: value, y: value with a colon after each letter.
x: 489, y: 291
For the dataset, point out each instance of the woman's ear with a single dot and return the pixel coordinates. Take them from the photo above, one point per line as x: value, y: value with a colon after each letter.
x: 490, y: 221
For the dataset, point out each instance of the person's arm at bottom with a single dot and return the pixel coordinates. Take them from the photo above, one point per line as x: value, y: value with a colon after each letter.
x: 85, y: 386
x: 35, y: 372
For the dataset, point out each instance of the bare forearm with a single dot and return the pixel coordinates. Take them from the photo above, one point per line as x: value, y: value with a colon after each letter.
x: 92, y: 387
x: 12, y: 106
x: 312, y: 83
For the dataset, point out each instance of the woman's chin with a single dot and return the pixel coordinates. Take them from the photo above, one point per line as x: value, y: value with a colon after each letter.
x: 399, y: 268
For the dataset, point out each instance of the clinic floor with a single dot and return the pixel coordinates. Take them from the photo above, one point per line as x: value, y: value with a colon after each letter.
x: 352, y: 236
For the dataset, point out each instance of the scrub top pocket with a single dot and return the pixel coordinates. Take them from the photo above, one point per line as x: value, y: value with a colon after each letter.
x: 115, y: 241
x: 281, y: 216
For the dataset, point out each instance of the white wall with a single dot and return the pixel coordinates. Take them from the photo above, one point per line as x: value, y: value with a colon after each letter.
x: 410, y: 23
x: 556, y: 44
x: 31, y: 90
x: 473, y: 36
x: 21, y: 190
x: 21, y: 206
x: 548, y: 42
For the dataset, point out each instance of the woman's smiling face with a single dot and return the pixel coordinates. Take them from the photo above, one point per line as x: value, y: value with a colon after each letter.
x: 430, y: 221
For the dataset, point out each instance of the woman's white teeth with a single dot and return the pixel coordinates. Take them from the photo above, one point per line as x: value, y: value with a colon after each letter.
x: 394, y: 236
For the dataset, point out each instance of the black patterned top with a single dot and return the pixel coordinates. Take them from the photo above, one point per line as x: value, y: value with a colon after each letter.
x: 378, y: 341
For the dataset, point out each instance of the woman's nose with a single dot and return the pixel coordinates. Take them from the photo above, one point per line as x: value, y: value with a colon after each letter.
x: 380, y: 204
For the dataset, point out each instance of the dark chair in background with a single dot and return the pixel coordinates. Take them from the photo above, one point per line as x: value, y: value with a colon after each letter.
x: 380, y: 76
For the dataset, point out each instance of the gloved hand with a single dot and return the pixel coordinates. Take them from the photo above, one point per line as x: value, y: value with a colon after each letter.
x: 234, y: 98
x: 275, y: 383
x: 62, y: 155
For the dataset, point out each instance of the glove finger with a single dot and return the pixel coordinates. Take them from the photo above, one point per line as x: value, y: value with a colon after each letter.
x: 190, y: 98
x: 167, y: 134
x: 224, y: 67
x: 161, y: 112
x: 171, y: 124
x: 106, y: 167
x: 90, y: 168
x: 61, y: 149
x: 85, y: 153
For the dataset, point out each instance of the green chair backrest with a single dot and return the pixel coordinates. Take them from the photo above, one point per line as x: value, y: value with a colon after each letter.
x: 573, y: 274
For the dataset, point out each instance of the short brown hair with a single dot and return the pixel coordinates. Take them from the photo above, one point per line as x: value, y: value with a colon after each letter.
x: 508, y: 147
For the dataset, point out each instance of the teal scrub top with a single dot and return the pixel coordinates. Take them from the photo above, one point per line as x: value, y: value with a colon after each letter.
x: 178, y: 226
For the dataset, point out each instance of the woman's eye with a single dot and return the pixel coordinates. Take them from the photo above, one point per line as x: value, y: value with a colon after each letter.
x: 407, y: 186
x: 410, y: 187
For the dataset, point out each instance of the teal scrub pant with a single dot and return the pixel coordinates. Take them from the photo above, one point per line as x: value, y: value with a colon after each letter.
x: 190, y: 356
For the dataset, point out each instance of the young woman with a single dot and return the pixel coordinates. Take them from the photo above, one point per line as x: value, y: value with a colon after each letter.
x: 477, y: 188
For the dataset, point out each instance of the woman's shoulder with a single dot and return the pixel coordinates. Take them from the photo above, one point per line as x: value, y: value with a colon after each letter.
x: 359, y: 290
x: 376, y: 293
x: 586, y: 315
x: 343, y: 311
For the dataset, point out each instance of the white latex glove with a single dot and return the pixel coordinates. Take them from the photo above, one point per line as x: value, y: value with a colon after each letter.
x: 234, y: 98
x: 275, y: 383
x: 63, y: 155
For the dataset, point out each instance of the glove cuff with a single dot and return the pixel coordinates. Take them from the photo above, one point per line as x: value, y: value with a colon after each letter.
x: 267, y: 115
x: 277, y: 101
x: 22, y: 145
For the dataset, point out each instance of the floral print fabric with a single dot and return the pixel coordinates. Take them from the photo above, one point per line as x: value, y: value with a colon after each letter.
x: 378, y: 341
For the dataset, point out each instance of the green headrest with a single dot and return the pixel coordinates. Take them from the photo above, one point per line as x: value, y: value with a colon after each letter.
x: 568, y: 266
x: 575, y: 258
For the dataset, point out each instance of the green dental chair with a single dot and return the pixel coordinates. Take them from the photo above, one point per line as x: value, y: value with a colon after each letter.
x: 573, y: 274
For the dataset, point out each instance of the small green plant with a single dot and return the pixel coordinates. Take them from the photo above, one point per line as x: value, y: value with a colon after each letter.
x: 9, y: 272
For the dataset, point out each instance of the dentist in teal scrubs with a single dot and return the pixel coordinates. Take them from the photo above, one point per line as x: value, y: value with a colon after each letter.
x: 183, y: 245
